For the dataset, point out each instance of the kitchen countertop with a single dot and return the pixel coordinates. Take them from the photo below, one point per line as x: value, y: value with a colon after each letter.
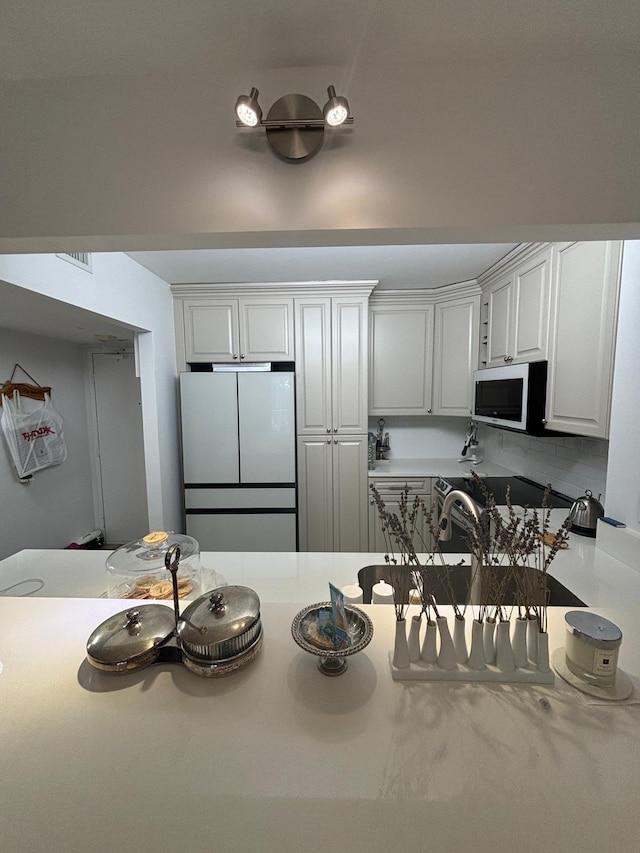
x: 276, y: 576
x: 593, y: 574
x: 279, y: 757
x: 436, y: 467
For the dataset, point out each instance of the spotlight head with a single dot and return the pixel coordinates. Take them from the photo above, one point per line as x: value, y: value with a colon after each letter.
x: 336, y: 110
x: 248, y: 109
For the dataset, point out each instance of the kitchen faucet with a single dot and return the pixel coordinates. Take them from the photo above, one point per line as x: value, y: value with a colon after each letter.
x: 445, y: 534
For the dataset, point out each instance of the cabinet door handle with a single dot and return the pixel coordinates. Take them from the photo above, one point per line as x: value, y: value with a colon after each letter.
x: 328, y: 429
x: 428, y: 411
x: 335, y: 440
x: 328, y: 441
x: 235, y: 355
x: 242, y: 355
x: 506, y: 358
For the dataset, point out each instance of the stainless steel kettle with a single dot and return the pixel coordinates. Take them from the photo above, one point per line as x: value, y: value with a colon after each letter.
x: 584, y: 514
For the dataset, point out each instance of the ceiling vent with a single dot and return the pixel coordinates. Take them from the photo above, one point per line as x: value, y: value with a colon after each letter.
x: 78, y: 259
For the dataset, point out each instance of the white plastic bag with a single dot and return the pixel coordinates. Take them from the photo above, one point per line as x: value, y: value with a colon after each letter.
x: 35, y: 438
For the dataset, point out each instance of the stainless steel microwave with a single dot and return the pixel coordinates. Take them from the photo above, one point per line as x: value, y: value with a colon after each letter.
x: 512, y: 397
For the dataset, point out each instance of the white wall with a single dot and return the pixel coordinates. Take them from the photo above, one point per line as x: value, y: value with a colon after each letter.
x: 56, y: 507
x: 423, y: 437
x: 438, y: 151
x: 623, y: 479
x: 121, y: 289
x: 571, y: 464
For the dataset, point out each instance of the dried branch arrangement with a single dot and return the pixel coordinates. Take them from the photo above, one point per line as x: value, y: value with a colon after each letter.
x: 513, y: 552
x: 413, y: 562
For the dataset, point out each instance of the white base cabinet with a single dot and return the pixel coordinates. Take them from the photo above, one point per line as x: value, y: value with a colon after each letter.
x: 582, y: 341
x: 332, y: 493
x: 390, y: 492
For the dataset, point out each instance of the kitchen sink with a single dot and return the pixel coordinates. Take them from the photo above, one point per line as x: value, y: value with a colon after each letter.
x: 458, y: 580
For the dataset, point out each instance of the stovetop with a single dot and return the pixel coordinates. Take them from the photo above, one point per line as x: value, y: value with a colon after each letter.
x: 523, y: 492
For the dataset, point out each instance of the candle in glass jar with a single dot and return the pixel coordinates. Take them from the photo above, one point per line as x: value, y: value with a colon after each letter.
x: 591, y: 647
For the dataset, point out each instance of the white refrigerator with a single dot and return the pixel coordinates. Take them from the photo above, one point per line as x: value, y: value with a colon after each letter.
x: 239, y: 456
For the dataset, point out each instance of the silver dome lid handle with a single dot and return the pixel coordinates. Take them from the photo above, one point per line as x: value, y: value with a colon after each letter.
x: 216, y: 604
x: 172, y: 564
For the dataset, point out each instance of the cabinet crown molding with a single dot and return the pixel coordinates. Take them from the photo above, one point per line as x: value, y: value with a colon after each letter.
x: 510, y: 261
x: 426, y: 296
x: 275, y: 288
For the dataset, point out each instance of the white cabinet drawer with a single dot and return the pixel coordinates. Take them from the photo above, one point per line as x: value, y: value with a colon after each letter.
x: 415, y: 485
x: 390, y: 490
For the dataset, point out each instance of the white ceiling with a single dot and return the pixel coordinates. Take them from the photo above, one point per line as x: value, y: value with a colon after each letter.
x: 26, y: 311
x: 69, y: 38
x: 395, y: 267
x: 42, y: 39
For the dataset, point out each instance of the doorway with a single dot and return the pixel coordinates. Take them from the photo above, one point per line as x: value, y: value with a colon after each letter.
x: 120, y: 487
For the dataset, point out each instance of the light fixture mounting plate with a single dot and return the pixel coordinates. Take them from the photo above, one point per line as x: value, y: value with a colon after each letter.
x: 295, y: 143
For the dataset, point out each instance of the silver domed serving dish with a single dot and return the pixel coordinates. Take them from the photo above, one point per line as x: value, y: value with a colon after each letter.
x: 218, y: 633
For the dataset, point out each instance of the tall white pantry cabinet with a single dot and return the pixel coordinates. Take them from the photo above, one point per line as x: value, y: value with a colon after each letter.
x: 332, y: 419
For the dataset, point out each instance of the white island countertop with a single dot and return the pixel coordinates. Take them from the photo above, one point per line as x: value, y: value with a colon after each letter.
x: 592, y: 573
x: 278, y: 757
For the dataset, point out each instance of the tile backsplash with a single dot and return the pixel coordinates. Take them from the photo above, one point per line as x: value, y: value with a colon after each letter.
x: 570, y: 464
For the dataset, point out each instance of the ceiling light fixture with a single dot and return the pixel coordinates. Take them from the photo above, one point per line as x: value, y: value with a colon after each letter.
x: 295, y: 124
x: 248, y: 109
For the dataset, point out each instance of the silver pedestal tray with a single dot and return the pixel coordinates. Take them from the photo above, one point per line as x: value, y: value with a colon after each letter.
x: 332, y: 660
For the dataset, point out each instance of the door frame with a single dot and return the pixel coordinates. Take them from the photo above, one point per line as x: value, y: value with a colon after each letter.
x: 92, y: 421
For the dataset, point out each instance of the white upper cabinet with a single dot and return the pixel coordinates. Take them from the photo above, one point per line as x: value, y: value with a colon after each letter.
x: 266, y: 329
x: 331, y: 364
x: 582, y: 338
x: 211, y: 329
x: 424, y: 349
x: 222, y: 329
x: 455, y: 355
x: 515, y: 312
x: 400, y: 361
x: 557, y: 302
x: 497, y: 327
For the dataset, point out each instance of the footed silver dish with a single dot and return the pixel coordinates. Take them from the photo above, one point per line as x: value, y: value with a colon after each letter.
x: 333, y: 660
